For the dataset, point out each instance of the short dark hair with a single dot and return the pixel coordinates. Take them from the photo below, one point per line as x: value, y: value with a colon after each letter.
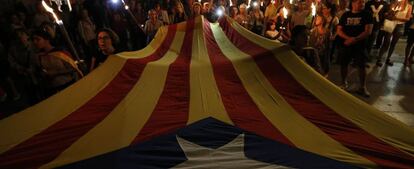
x: 332, y: 7
x: 350, y: 4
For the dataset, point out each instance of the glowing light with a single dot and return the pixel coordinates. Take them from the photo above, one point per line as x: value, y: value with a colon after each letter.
x: 313, y: 6
x: 291, y: 1
x: 273, y: 2
x: 219, y: 12
x: 199, y: 1
x: 248, y: 5
x: 50, y: 10
x: 285, y: 12
x: 115, y: 1
x: 231, y: 2
x: 126, y: 7
x: 255, y: 4
x: 261, y: 3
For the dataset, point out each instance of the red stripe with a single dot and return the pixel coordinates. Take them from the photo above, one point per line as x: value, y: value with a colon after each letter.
x: 339, y: 128
x: 48, y: 144
x: 239, y: 105
x: 171, y: 111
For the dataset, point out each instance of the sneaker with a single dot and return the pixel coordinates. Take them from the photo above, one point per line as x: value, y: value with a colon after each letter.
x: 363, y: 92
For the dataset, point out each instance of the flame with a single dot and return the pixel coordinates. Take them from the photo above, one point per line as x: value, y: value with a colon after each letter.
x: 285, y: 12
x: 291, y: 1
x: 273, y: 2
x: 231, y: 2
x: 50, y: 10
x: 313, y: 6
x: 248, y: 5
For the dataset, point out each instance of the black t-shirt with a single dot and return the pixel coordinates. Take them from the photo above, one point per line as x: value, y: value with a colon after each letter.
x: 374, y: 4
x: 353, y: 24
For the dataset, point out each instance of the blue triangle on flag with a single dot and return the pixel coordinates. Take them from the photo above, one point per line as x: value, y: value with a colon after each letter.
x: 165, y: 151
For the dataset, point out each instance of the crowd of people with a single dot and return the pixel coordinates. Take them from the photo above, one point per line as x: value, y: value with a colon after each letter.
x: 37, y: 60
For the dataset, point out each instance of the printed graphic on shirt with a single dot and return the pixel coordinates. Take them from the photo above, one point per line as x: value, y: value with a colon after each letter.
x: 353, y: 21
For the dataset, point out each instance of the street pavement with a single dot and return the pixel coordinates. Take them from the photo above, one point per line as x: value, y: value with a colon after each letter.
x: 391, y: 87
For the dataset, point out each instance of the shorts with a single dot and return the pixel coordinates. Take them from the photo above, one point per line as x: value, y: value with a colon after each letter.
x: 399, y: 29
x: 355, y: 53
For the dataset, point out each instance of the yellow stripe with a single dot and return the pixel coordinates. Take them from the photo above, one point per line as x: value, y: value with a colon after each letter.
x: 35, y: 119
x: 25, y: 124
x: 123, y: 124
x: 297, y: 129
x: 205, y: 100
x: 358, y: 112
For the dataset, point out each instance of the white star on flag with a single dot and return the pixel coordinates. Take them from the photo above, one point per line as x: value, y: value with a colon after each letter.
x: 227, y: 156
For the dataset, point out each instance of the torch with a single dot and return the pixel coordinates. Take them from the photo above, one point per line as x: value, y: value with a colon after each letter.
x: 62, y: 29
x: 255, y: 4
x: 285, y: 16
x: 285, y: 13
x: 126, y: 7
x: 313, y: 6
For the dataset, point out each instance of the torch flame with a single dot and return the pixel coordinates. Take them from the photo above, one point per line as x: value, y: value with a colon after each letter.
x: 313, y: 9
x: 50, y: 10
x: 285, y: 12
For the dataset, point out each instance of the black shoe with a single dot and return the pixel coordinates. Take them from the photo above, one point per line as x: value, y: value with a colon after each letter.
x: 363, y: 92
x: 379, y: 63
x: 389, y: 63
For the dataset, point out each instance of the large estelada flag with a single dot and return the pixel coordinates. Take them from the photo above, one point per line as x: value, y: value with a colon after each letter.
x: 204, y: 95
